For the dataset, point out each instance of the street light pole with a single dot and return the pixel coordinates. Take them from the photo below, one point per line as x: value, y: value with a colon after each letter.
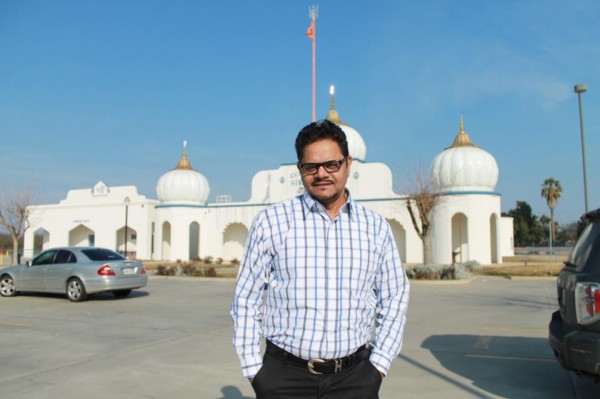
x: 582, y: 88
x: 126, y: 201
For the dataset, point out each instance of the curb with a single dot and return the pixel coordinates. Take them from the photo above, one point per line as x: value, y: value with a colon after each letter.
x: 442, y: 282
x: 188, y: 278
x: 533, y: 278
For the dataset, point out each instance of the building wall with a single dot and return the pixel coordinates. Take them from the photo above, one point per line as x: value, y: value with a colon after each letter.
x: 223, y: 227
x: 506, y: 241
x: 471, y: 216
x: 394, y: 211
x: 103, y: 214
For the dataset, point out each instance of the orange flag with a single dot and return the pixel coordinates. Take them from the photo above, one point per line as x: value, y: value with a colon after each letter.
x: 310, y: 32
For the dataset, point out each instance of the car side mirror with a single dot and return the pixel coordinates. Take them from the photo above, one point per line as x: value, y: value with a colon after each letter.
x: 28, y: 263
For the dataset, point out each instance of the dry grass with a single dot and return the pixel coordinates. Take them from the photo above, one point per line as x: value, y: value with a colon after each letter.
x: 531, y: 270
x: 521, y: 266
x: 532, y: 265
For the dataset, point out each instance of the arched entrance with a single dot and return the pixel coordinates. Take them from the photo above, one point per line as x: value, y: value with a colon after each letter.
x: 166, y: 241
x: 494, y: 238
x: 234, y: 239
x: 82, y: 236
x: 460, y: 238
x: 131, y: 242
x: 194, y: 241
x: 41, y: 238
x: 399, y: 234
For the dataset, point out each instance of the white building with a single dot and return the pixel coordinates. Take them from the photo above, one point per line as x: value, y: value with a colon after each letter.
x: 181, y: 225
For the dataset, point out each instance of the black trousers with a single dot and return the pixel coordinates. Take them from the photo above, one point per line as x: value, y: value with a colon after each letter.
x: 281, y: 380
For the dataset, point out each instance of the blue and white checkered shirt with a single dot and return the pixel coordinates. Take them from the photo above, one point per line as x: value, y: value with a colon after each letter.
x: 332, y: 285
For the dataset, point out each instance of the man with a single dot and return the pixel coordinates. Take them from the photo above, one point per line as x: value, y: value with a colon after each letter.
x: 336, y: 293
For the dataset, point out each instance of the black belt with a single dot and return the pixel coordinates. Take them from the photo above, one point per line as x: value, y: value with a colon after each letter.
x: 319, y: 366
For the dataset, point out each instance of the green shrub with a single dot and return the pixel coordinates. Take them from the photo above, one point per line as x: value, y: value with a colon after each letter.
x: 438, y: 272
x: 472, y: 265
x: 165, y: 270
x: 211, y: 272
x: 161, y: 270
x: 461, y: 272
x: 188, y: 269
x: 206, y: 272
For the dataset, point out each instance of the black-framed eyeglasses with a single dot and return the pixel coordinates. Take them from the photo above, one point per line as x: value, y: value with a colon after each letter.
x: 329, y: 166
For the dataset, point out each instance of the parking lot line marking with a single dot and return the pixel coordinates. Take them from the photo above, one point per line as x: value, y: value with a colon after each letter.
x: 525, y: 359
x: 14, y: 324
x: 518, y: 330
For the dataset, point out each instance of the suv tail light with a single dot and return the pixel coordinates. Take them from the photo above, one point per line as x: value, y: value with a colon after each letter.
x: 143, y: 270
x: 105, y: 270
x: 587, y: 302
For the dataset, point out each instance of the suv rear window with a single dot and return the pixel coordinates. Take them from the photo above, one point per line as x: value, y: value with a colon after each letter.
x: 101, y: 254
x: 583, y: 248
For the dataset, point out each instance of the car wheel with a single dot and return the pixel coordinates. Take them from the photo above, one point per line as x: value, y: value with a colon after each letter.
x: 76, y: 290
x: 7, y: 286
x: 121, y: 293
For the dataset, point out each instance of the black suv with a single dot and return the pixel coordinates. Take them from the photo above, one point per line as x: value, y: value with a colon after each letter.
x: 574, y: 331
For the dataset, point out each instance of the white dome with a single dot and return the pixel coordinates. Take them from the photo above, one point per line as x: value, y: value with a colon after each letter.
x: 183, y: 184
x: 464, y: 166
x: 356, y: 145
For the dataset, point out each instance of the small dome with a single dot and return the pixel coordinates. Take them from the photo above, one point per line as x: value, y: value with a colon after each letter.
x: 356, y: 145
x: 464, y: 166
x: 183, y: 183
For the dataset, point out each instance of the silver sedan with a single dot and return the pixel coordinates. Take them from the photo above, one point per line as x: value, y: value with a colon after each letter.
x: 76, y: 271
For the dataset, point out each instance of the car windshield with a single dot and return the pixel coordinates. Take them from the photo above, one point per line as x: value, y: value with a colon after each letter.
x: 101, y: 254
x: 581, y: 252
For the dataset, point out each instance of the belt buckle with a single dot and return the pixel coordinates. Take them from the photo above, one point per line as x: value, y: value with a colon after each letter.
x: 311, y: 365
x: 338, y: 365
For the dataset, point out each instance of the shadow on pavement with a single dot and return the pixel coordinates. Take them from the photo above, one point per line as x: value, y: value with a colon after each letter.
x: 231, y: 392
x: 511, y: 367
x: 108, y: 296
x: 99, y: 296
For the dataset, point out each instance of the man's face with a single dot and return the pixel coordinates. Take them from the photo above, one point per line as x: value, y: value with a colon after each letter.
x: 326, y: 187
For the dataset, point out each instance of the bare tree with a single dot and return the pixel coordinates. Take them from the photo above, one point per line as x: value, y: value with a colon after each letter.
x: 421, y: 200
x: 14, y: 215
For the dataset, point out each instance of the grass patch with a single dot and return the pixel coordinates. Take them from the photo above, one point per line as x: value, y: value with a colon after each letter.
x: 531, y: 266
x: 531, y: 270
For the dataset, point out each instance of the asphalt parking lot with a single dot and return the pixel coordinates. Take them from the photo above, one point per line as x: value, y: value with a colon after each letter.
x: 482, y: 339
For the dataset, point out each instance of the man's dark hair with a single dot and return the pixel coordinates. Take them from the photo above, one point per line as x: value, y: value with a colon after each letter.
x: 320, y: 130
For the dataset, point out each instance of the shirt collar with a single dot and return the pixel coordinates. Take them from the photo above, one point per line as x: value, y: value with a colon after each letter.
x: 312, y: 205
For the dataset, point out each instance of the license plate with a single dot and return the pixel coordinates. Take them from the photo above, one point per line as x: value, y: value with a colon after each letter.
x: 128, y: 271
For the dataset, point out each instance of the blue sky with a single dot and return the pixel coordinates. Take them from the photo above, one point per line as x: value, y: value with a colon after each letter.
x: 109, y: 89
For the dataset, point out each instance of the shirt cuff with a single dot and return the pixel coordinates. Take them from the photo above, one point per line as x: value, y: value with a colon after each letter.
x: 380, y: 361
x: 251, y: 367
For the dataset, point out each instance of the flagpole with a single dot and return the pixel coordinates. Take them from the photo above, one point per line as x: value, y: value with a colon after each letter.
x: 314, y: 79
x: 312, y: 14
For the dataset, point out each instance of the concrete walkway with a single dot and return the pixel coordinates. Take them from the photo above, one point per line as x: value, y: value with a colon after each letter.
x: 482, y: 339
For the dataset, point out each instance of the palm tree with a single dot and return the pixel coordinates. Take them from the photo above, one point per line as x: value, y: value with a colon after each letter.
x: 551, y: 190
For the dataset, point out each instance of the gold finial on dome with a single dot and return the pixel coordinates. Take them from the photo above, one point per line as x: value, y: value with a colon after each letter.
x: 183, y: 162
x: 462, y: 139
x: 333, y: 115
